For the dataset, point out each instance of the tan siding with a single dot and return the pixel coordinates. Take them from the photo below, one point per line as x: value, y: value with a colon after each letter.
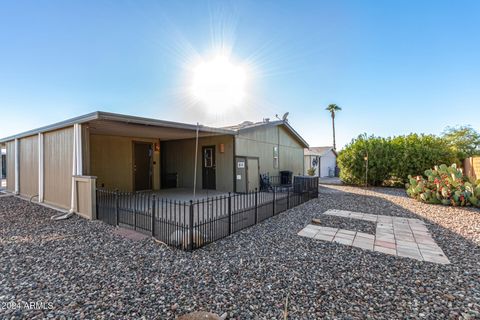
x: 179, y: 158
x: 112, y: 161
x: 260, y: 143
x: 28, y: 157
x: 10, y: 166
x: 58, y: 155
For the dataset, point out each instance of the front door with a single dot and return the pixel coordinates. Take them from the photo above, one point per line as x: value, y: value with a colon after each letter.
x: 208, y: 168
x: 142, y: 166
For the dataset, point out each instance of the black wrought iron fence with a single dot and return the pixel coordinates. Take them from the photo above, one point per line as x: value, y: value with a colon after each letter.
x: 192, y: 224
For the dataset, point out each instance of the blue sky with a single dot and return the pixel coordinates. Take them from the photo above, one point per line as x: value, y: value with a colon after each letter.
x: 394, y: 67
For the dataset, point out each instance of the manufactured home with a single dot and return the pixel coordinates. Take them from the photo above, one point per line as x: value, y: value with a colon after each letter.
x: 322, y: 159
x: 62, y: 164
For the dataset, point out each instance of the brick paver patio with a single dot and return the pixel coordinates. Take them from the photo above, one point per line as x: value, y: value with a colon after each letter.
x: 398, y: 236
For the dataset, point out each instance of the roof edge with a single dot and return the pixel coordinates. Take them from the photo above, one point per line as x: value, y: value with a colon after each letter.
x: 101, y: 115
x: 58, y: 125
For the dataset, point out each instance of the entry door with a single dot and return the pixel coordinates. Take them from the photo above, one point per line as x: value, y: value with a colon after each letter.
x: 142, y: 166
x: 208, y: 167
x: 252, y: 172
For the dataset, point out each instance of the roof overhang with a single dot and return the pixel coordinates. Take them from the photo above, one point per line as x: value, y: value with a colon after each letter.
x: 310, y: 152
x: 125, y: 122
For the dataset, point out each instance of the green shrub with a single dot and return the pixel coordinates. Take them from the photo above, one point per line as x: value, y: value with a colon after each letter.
x: 351, y: 160
x: 444, y: 185
x: 391, y: 160
x: 417, y: 153
x: 311, y: 171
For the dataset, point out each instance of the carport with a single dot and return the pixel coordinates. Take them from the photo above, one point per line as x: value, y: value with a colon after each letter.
x: 132, y: 154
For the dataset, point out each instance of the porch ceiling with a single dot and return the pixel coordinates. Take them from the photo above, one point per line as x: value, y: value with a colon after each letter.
x: 116, y: 128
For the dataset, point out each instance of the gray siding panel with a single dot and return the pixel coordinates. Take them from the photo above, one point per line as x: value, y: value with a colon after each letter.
x: 260, y: 143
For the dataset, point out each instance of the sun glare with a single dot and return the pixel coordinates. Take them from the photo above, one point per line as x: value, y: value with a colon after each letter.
x: 219, y: 84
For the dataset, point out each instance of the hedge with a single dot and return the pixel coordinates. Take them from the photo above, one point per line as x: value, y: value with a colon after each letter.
x: 392, y: 160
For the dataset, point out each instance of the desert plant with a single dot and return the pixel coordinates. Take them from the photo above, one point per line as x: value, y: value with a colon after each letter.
x: 311, y: 171
x: 444, y: 185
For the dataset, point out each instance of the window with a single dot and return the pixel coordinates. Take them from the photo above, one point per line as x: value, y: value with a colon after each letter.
x: 275, y: 157
x: 208, y: 157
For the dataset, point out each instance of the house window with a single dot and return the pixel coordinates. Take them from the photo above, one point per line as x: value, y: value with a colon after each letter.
x: 275, y: 157
x: 208, y: 157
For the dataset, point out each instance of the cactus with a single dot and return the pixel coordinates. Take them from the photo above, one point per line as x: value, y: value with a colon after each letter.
x: 444, y: 185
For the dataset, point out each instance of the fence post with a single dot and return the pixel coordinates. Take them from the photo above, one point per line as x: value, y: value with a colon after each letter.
x: 288, y: 198
x: 190, y: 245
x: 256, y: 206
x: 153, y: 215
x: 229, y: 213
x: 273, y: 206
x: 116, y: 208
x: 135, y: 211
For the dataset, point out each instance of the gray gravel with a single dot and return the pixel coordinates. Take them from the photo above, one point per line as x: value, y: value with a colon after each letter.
x: 346, y: 223
x: 85, y: 271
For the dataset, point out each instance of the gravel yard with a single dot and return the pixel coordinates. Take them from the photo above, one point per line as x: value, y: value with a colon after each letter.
x: 349, y: 224
x: 83, y: 270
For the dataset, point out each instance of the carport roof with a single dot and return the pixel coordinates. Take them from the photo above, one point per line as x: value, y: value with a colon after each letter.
x: 117, y: 124
x: 121, y: 118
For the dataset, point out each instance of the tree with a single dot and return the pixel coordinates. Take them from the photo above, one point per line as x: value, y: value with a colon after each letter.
x: 464, y: 140
x: 333, y: 108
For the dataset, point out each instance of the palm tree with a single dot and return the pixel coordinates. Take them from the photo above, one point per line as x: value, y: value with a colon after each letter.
x: 333, y: 108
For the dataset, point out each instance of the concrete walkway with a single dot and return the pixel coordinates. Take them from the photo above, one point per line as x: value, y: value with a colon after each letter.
x: 398, y: 236
x: 330, y: 180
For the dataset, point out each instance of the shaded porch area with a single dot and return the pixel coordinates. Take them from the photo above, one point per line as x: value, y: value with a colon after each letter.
x: 158, y: 156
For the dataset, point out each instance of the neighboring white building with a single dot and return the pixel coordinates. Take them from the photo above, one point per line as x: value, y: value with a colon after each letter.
x: 324, y: 158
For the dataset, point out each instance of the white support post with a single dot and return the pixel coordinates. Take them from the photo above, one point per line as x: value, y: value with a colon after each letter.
x: 79, y: 150
x: 1, y: 166
x: 17, y: 167
x: 77, y: 161
x: 195, y: 168
x: 41, y: 168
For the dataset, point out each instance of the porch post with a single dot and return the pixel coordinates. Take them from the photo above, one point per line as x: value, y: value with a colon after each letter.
x: 195, y: 169
x: 17, y: 167
x: 1, y: 165
x: 41, y: 172
x: 77, y: 161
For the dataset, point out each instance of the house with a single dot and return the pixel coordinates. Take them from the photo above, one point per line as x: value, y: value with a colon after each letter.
x: 62, y: 164
x: 323, y: 159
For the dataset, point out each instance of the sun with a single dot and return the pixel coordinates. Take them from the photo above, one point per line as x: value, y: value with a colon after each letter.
x: 219, y: 84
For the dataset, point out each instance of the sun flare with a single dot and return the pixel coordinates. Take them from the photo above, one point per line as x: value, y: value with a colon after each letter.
x: 219, y: 84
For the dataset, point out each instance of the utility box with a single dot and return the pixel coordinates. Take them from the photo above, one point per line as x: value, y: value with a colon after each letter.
x: 304, y: 183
